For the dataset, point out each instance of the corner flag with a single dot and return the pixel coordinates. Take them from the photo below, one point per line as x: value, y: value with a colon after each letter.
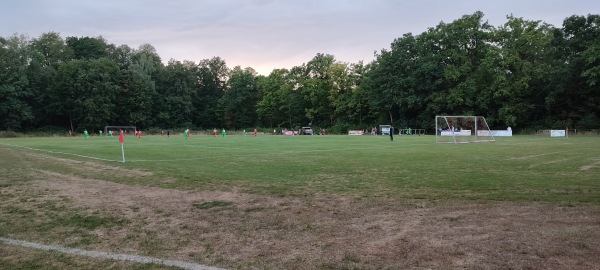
x: 121, y: 138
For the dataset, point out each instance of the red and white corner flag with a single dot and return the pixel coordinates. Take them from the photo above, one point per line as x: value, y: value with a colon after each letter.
x: 122, y: 140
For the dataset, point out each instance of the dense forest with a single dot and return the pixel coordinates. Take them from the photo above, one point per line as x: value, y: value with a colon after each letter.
x: 524, y: 73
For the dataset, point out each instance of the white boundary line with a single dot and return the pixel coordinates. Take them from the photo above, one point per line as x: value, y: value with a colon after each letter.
x: 63, y: 153
x: 201, y: 158
x: 109, y: 255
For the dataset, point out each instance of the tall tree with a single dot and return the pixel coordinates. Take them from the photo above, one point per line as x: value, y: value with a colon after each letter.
x: 348, y: 96
x: 238, y: 103
x: 88, y: 47
x: 212, y: 76
x: 175, y: 90
x: 574, y: 99
x: 268, y: 104
x: 138, y: 91
x: 433, y: 73
x: 463, y: 45
x: 122, y: 55
x: 522, y: 70
x: 15, y: 112
x: 85, y: 91
x: 48, y: 53
x: 316, y: 87
x: 391, y: 80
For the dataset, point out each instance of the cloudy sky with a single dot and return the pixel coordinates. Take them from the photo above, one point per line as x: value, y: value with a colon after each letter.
x: 264, y: 34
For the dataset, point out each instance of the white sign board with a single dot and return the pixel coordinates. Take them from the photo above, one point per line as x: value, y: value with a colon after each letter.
x: 384, y: 129
x: 456, y: 133
x: 355, y: 132
x: 557, y: 133
x: 495, y: 133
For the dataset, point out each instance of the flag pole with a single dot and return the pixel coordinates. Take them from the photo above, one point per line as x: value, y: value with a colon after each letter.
x: 123, y: 152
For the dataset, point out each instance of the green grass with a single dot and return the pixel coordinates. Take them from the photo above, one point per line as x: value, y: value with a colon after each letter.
x: 88, y: 222
x: 212, y: 204
x: 520, y: 168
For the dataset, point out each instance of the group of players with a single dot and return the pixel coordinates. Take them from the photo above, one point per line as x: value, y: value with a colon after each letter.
x: 138, y: 133
x: 86, y: 134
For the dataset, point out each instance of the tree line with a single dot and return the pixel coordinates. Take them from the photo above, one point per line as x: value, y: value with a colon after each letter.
x: 525, y: 74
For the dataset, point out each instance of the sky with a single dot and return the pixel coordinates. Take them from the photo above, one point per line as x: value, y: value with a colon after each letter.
x: 264, y: 34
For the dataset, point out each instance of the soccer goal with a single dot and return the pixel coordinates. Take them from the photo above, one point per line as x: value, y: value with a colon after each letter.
x: 115, y: 130
x: 462, y: 129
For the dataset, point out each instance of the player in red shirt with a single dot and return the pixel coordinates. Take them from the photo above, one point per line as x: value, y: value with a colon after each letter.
x: 254, y: 132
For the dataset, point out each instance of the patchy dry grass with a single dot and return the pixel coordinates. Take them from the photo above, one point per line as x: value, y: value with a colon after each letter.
x: 317, y: 232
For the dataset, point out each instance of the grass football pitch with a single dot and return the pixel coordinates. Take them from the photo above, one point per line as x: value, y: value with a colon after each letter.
x: 529, y: 168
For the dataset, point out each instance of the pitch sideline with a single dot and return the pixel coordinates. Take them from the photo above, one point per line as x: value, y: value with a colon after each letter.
x: 62, y: 153
x: 109, y: 255
x: 198, y: 158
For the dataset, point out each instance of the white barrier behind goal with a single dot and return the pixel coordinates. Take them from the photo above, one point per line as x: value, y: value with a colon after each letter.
x: 554, y: 132
x: 462, y: 129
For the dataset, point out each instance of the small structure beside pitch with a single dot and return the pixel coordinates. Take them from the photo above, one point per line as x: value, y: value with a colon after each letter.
x: 385, y: 129
x: 307, y: 131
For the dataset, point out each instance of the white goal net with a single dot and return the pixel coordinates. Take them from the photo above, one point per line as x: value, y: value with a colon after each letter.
x: 462, y: 129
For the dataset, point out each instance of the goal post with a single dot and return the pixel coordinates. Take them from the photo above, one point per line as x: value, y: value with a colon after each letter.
x: 462, y: 129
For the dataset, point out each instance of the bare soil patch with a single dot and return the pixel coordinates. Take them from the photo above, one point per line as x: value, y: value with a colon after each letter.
x: 325, y: 231
x: 593, y: 165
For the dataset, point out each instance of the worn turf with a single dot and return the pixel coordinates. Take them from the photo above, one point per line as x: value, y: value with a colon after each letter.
x: 307, y: 202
